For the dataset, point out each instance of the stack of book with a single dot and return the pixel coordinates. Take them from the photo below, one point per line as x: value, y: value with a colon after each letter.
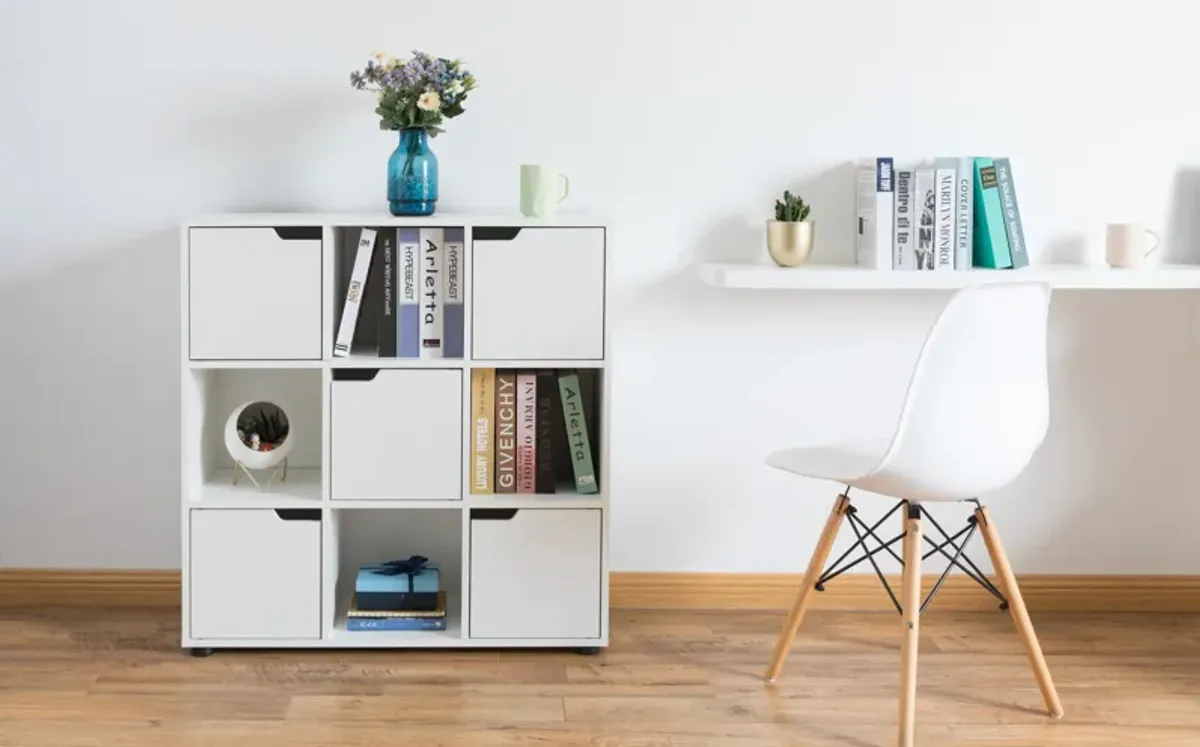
x: 954, y: 213
x: 533, y: 431
x: 420, y: 306
x: 398, y: 595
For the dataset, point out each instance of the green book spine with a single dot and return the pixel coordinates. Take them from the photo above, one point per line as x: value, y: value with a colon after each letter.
x: 577, y: 433
x: 1012, y: 214
x: 991, y: 242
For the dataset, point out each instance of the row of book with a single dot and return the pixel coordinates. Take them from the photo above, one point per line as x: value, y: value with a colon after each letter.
x: 533, y: 431
x: 952, y: 213
x: 420, y: 309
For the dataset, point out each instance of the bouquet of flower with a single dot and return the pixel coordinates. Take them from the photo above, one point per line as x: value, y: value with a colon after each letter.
x: 418, y: 93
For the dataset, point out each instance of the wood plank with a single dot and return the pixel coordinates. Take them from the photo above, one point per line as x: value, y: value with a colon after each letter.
x: 76, y: 677
x: 36, y: 587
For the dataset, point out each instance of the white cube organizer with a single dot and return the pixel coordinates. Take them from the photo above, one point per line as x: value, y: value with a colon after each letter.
x: 383, y: 443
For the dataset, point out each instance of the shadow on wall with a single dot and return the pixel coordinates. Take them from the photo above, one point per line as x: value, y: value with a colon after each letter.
x: 91, y: 406
x: 1182, y: 242
x: 1110, y: 491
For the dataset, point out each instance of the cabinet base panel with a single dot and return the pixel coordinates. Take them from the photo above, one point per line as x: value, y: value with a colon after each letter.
x: 393, y: 641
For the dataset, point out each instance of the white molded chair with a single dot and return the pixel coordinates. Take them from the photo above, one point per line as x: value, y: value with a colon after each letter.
x: 976, y: 411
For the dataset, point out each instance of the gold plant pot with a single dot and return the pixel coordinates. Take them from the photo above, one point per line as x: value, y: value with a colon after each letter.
x: 788, y: 243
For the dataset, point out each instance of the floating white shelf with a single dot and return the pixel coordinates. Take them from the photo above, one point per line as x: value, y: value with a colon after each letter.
x: 849, y: 277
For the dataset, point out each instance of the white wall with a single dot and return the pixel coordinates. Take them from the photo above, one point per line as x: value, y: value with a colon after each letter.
x: 120, y: 118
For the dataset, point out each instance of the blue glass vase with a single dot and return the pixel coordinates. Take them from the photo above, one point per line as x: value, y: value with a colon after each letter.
x: 412, y: 175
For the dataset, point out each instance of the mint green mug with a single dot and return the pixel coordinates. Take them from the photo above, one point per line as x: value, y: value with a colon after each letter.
x: 542, y: 189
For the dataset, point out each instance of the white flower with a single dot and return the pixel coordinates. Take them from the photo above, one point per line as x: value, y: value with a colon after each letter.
x: 455, y: 88
x: 429, y: 101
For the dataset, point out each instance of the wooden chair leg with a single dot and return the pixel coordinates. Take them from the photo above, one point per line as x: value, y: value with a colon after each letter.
x: 1016, y: 607
x: 910, y: 603
x: 816, y: 566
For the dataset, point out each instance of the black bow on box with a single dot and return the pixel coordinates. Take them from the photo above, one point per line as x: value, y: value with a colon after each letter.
x: 413, y: 566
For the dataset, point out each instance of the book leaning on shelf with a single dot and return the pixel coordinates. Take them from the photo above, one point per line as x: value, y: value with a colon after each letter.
x: 533, y: 431
x: 947, y: 213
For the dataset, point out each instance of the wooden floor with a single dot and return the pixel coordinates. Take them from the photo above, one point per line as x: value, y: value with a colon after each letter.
x: 115, y: 678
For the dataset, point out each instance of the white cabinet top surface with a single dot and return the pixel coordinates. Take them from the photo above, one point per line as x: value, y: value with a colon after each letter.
x: 455, y: 218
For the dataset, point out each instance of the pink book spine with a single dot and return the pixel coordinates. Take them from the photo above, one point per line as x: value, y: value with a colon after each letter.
x: 526, y: 433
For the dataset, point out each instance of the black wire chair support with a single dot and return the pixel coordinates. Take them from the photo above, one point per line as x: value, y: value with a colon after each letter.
x: 958, y: 559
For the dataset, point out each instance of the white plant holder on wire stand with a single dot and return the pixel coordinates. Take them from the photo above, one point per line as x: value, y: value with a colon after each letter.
x: 251, y: 452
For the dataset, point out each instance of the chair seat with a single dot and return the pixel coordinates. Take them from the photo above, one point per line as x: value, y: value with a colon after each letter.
x: 844, y: 462
x: 857, y: 464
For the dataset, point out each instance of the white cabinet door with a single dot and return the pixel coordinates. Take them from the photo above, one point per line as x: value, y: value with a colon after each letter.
x: 535, y: 573
x: 254, y: 293
x: 255, y: 573
x: 537, y: 293
x: 396, y: 434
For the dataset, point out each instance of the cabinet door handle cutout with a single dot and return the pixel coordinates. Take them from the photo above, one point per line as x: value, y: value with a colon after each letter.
x: 299, y: 514
x: 493, y: 514
x: 355, y: 374
x: 496, y: 233
x: 298, y: 233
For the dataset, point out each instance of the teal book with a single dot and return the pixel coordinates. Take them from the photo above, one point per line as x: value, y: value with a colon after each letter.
x: 578, y: 440
x: 1012, y: 214
x: 990, y: 249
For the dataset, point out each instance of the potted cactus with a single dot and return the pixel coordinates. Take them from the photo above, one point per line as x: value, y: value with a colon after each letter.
x: 790, y: 234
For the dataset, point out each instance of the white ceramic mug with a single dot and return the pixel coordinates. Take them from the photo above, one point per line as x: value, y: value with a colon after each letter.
x: 1128, y: 244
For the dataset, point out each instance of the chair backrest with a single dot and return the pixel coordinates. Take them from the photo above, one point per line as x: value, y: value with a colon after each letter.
x: 978, y: 403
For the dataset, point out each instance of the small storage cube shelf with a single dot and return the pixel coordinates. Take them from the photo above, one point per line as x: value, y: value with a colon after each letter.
x: 535, y: 573
x: 396, y: 434
x: 455, y: 408
x: 412, y: 305
x: 536, y: 434
x: 538, y: 293
x: 255, y: 574
x: 211, y: 397
x: 370, y: 537
x: 254, y: 292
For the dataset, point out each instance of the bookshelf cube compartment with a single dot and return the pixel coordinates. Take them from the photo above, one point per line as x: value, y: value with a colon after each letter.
x: 535, y: 573
x: 392, y: 306
x: 396, y: 434
x: 538, y: 293
x: 523, y: 444
x: 210, y: 396
x: 255, y: 573
x: 368, y: 536
x: 254, y: 293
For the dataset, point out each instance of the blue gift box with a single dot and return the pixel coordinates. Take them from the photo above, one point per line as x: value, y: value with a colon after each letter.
x: 427, y: 580
x: 397, y: 591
